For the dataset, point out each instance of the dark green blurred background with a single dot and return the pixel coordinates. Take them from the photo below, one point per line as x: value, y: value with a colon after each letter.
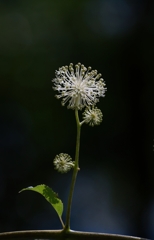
x: 114, y: 191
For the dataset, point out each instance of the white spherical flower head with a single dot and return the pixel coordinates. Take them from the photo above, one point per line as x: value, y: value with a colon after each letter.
x: 63, y: 162
x: 79, y: 86
x: 92, y: 116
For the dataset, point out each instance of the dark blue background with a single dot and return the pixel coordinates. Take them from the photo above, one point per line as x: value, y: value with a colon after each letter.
x: 114, y: 191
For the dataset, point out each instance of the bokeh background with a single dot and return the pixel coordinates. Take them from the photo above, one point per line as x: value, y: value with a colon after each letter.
x: 115, y: 188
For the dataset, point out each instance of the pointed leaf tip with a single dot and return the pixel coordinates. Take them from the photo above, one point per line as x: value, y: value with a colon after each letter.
x: 49, y: 195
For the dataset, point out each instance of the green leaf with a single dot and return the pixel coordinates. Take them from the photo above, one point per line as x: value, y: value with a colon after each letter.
x: 49, y: 195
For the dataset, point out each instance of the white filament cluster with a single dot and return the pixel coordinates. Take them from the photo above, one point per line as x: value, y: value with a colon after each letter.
x: 79, y: 86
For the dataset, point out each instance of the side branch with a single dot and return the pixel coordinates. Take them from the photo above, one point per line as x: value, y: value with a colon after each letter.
x: 61, y: 234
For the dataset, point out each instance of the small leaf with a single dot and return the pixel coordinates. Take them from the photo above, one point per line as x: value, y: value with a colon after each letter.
x: 49, y: 195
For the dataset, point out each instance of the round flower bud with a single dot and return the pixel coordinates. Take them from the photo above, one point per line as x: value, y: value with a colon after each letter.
x: 63, y: 162
x: 92, y: 116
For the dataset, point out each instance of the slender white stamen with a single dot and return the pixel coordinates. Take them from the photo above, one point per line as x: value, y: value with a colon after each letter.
x: 80, y: 87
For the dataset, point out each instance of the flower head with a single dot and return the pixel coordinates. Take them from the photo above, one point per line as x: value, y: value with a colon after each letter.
x: 80, y: 87
x: 63, y: 162
x: 92, y: 116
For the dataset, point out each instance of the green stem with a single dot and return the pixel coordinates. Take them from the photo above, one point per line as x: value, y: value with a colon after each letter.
x: 62, y: 223
x: 75, y: 171
x: 60, y: 234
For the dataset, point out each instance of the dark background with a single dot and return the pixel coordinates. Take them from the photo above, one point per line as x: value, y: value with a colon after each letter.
x: 114, y: 191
